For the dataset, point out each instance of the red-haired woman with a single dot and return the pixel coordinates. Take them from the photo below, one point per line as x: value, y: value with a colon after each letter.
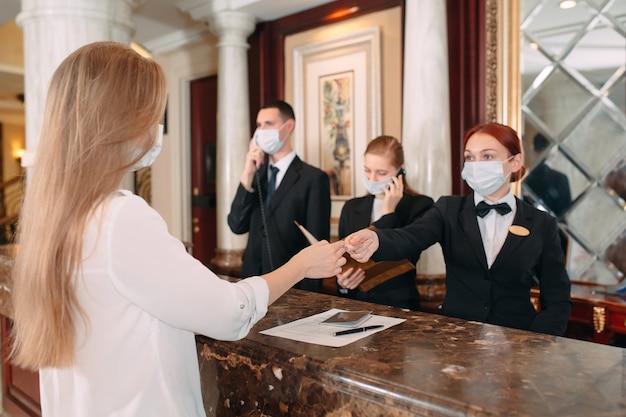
x: 494, y: 244
x: 390, y: 203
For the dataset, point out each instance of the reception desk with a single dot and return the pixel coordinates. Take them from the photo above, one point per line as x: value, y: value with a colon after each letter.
x: 429, y: 365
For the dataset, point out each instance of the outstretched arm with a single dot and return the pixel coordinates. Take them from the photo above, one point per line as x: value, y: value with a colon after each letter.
x: 320, y: 260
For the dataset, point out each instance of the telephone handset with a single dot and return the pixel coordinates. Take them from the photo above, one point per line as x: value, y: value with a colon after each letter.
x: 401, y: 172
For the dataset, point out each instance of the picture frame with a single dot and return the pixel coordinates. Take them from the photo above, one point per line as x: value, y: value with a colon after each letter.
x: 337, y: 100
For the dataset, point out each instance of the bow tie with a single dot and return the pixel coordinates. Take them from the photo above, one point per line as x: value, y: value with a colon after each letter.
x: 482, y: 209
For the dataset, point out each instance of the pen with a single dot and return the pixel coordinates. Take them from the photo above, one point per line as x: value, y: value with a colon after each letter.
x: 359, y: 330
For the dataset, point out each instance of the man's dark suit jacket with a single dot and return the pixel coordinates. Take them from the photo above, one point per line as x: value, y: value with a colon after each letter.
x: 357, y: 214
x: 500, y: 294
x: 551, y: 186
x: 304, y: 196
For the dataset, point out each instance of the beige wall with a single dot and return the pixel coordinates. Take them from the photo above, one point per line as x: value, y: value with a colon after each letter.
x: 171, y: 172
x: 11, y: 74
x: 12, y: 141
x: 11, y: 110
x: 11, y: 46
x: 389, y: 22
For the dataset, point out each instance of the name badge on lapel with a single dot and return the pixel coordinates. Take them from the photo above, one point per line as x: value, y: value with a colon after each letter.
x: 519, y: 230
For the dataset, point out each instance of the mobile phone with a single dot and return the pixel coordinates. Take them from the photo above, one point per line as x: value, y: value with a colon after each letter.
x: 401, y: 172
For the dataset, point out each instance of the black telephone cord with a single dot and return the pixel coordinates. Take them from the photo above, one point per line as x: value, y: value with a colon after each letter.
x: 264, y: 219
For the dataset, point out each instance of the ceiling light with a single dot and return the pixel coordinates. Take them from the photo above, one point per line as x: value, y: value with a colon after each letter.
x: 18, y: 153
x: 567, y: 4
x: 342, y: 13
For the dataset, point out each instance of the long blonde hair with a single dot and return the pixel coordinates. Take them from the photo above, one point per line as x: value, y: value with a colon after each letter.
x: 102, y: 112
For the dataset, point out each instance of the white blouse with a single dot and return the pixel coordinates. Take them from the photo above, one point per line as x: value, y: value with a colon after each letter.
x: 144, y: 298
x: 494, y: 227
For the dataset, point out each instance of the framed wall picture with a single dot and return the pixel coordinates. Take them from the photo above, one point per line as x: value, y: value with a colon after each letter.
x: 337, y: 103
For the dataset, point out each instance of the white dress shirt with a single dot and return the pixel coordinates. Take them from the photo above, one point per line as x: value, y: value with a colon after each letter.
x: 377, y: 209
x: 494, y: 227
x: 144, y: 298
x: 283, y: 166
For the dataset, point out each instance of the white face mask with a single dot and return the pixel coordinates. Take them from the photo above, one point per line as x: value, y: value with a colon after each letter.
x: 268, y: 140
x: 149, y: 158
x: 485, y: 177
x: 377, y: 187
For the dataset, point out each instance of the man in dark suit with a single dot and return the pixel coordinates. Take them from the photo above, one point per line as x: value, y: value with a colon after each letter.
x: 274, y: 194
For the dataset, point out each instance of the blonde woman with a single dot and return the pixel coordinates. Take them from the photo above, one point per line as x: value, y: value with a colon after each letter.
x: 106, y: 302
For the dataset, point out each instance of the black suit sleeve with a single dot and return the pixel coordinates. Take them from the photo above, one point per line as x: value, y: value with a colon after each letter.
x: 554, y: 284
x: 409, y: 241
x: 318, y: 210
x: 241, y: 210
x: 347, y: 214
x: 408, y: 210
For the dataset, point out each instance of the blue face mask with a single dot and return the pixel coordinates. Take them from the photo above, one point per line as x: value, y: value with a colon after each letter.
x: 151, y: 156
x: 269, y: 140
x: 485, y: 177
x: 378, y: 187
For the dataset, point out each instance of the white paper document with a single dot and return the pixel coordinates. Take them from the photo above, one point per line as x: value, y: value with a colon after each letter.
x: 310, y: 329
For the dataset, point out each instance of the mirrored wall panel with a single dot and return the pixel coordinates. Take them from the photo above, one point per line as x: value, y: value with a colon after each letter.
x: 573, y: 69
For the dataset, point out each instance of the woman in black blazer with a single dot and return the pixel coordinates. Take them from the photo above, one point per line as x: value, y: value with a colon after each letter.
x: 390, y: 203
x: 494, y: 244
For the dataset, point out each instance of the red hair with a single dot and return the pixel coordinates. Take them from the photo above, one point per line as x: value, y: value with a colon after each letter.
x: 503, y: 134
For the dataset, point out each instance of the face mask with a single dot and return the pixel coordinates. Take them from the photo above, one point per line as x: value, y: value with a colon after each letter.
x: 149, y: 158
x: 485, y: 177
x: 268, y: 140
x: 378, y: 187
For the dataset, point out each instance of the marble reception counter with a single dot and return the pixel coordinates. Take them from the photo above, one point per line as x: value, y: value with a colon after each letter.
x: 429, y: 365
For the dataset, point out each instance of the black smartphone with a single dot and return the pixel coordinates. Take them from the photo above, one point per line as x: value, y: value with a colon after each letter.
x: 401, y: 172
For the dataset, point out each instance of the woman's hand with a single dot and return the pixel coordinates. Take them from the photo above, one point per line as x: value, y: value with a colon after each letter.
x: 322, y: 259
x: 361, y: 245
x: 351, y: 278
x: 393, y: 194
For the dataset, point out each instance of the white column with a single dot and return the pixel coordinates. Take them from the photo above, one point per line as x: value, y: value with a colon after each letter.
x: 52, y: 30
x: 233, y: 120
x: 233, y: 123
x: 426, y: 112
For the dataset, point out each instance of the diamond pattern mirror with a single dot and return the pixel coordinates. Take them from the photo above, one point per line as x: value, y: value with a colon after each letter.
x: 573, y: 67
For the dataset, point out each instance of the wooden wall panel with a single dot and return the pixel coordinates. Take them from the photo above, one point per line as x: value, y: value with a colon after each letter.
x: 466, y: 56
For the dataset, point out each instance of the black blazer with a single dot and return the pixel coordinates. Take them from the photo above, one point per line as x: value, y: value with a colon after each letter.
x: 304, y: 196
x: 500, y: 294
x: 355, y: 215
